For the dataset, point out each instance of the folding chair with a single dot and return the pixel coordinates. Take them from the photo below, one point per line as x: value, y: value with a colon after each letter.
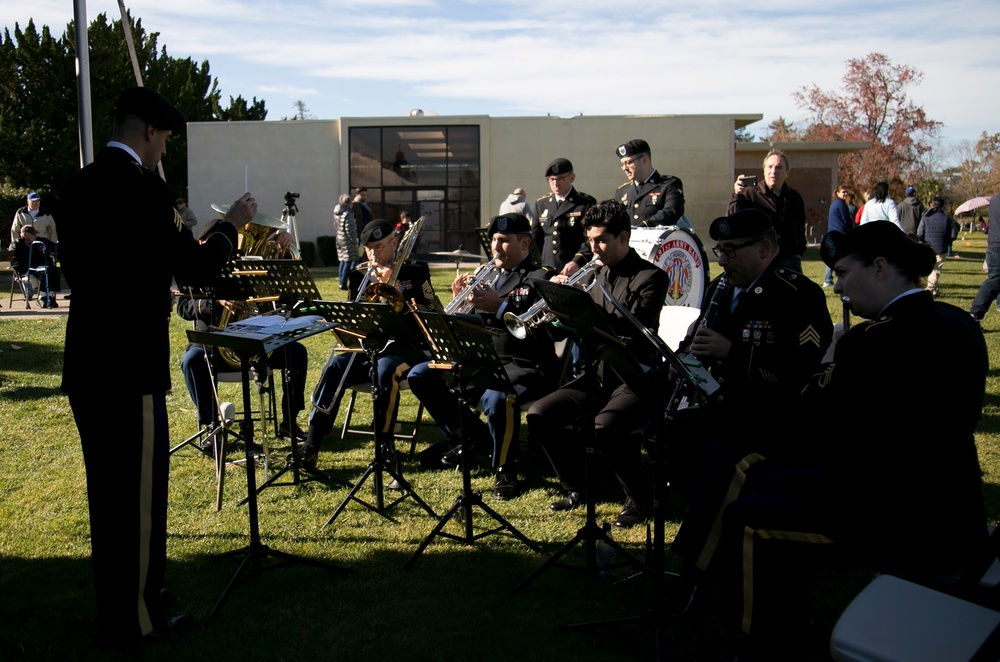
x: 940, y: 618
x: 366, y: 387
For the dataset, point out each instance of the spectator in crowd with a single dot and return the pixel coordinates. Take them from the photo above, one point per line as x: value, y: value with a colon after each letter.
x: 840, y: 219
x: 935, y: 228
x: 346, y: 231
x: 911, y: 210
x: 773, y: 195
x: 516, y: 203
x: 880, y: 207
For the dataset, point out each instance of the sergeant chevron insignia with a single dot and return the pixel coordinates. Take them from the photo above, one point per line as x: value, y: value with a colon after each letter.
x: 809, y: 335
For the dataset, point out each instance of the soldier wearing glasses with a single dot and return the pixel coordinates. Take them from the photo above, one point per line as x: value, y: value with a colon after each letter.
x: 767, y: 338
x: 652, y: 199
x: 557, y: 229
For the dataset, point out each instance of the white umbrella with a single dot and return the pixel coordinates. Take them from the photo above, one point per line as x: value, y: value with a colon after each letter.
x: 974, y: 203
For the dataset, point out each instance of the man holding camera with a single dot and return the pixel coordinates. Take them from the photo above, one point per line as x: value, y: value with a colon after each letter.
x: 651, y: 198
x: 778, y: 199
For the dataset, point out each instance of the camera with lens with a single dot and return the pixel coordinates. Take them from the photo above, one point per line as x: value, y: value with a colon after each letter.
x: 290, y: 200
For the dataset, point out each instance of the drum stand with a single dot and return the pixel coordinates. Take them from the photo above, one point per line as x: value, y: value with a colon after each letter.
x: 462, y: 508
x: 385, y: 458
x: 255, y: 552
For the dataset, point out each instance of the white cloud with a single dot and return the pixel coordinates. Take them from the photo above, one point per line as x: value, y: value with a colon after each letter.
x: 529, y: 57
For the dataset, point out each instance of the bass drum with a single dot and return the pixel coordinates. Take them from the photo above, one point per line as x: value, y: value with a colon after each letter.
x: 679, y: 252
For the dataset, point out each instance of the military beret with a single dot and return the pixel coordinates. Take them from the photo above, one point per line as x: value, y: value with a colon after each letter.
x: 837, y: 245
x: 376, y: 230
x: 744, y: 223
x: 559, y: 166
x: 632, y: 147
x: 509, y: 224
x: 151, y: 107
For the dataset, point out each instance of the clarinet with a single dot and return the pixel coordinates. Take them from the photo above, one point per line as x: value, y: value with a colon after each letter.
x: 713, y: 304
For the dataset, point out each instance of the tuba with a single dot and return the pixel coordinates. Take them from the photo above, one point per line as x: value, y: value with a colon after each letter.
x: 257, y: 240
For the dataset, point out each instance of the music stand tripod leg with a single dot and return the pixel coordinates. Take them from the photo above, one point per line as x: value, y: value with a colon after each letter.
x: 255, y: 551
x: 467, y: 499
x: 590, y: 532
x: 381, y: 463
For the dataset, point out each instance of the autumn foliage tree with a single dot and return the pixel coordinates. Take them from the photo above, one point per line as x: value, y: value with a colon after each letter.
x: 872, y: 106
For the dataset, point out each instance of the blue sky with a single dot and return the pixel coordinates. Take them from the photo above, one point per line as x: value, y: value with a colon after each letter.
x: 363, y: 58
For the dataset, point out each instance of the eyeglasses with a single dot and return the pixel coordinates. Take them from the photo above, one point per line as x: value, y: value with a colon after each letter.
x: 730, y: 250
x: 629, y: 162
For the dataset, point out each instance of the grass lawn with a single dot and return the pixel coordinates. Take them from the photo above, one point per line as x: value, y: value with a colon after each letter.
x: 454, y: 603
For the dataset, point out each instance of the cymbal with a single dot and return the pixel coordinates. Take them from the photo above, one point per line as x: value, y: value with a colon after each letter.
x: 459, y: 254
x: 260, y: 219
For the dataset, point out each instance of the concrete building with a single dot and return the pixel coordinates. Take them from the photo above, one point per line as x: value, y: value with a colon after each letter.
x: 456, y: 170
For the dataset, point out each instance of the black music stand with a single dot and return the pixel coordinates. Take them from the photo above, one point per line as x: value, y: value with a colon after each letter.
x: 247, y: 339
x: 289, y: 284
x: 691, y: 377
x: 373, y: 326
x: 579, y: 315
x: 461, y: 344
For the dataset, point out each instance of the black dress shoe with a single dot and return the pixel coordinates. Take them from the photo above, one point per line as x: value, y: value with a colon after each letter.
x: 506, y: 486
x: 289, y: 432
x: 173, y: 626
x: 453, y: 457
x: 567, y: 503
x: 630, y: 515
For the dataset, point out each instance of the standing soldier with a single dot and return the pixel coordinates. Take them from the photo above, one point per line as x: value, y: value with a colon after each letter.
x: 557, y: 229
x: 651, y: 198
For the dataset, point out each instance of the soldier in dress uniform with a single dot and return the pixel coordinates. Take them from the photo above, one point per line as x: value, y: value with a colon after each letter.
x: 651, y: 198
x: 557, y: 229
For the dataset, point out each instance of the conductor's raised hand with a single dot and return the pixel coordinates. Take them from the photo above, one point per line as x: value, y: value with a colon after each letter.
x: 242, y: 211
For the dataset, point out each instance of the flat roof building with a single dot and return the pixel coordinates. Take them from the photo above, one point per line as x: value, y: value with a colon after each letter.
x: 456, y: 170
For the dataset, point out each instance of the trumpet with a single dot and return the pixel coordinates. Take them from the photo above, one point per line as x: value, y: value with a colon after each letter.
x: 539, y: 312
x: 461, y: 303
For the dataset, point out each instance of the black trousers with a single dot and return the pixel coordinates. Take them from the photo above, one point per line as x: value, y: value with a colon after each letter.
x: 553, y: 423
x: 127, y: 466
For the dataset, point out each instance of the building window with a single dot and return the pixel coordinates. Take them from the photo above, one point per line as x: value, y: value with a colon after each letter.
x: 429, y: 171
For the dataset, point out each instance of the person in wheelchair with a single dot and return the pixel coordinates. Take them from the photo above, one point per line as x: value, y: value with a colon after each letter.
x: 36, y: 252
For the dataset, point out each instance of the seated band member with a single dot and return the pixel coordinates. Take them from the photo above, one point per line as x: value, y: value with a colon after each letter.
x: 766, y: 328
x: 414, y: 283
x: 293, y: 359
x: 529, y: 363
x: 641, y: 287
x: 888, y: 486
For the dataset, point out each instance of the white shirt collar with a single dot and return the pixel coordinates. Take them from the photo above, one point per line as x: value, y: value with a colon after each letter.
x: 131, y: 152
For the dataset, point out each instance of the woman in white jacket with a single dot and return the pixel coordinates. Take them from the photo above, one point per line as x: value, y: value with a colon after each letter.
x: 880, y: 207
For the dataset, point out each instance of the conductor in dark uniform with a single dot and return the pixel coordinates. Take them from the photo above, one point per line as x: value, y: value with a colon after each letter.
x: 530, y: 363
x: 126, y: 447
x: 558, y: 229
x: 651, y: 199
